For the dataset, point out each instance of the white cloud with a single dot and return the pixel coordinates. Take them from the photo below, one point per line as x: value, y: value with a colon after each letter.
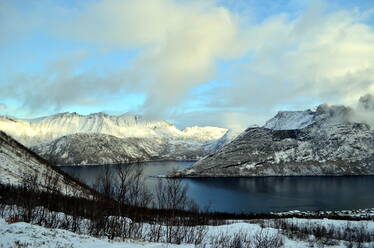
x: 320, y: 54
x: 180, y: 42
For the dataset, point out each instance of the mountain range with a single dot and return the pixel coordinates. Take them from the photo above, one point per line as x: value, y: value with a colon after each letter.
x: 323, y: 141
x: 99, y: 138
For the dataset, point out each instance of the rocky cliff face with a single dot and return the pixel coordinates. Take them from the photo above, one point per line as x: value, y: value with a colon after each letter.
x: 326, y: 143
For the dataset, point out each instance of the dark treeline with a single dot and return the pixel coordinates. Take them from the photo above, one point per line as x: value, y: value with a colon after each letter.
x: 127, y: 209
x: 164, y: 225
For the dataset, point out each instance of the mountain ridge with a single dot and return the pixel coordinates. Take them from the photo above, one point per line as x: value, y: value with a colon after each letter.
x: 331, y: 144
x: 44, y: 129
x: 53, y: 137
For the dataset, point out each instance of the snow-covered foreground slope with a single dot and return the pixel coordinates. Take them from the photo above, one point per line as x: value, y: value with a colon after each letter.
x: 32, y: 236
x: 19, y: 166
x: 26, y: 235
x: 69, y: 138
x: 329, y: 145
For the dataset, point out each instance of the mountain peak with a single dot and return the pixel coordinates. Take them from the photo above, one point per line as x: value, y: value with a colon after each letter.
x: 285, y: 120
x: 36, y: 131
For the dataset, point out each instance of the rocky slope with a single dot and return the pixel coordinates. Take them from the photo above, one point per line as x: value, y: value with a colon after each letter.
x: 89, y: 149
x: 229, y: 136
x: 325, y: 142
x: 70, y: 138
x: 19, y: 166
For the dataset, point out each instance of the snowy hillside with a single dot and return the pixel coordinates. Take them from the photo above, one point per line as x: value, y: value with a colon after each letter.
x: 55, y: 138
x: 329, y: 145
x: 229, y: 136
x: 19, y: 166
x: 89, y: 149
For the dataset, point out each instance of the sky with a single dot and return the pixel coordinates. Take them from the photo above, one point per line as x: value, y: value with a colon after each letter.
x: 227, y: 63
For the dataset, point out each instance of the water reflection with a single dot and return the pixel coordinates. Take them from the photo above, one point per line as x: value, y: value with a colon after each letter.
x: 262, y: 194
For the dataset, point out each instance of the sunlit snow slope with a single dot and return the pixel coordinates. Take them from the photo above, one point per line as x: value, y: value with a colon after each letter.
x: 20, y: 166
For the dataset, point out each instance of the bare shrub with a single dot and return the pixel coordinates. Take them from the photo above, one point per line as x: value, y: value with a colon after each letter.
x: 265, y: 239
x: 325, y: 235
x: 131, y: 187
x: 171, y: 194
x: 238, y: 240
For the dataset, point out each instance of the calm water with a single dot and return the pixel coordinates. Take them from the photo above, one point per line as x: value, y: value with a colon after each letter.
x: 259, y: 195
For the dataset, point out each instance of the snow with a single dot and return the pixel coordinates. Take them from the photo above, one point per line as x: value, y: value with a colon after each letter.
x: 328, y: 223
x: 66, y: 137
x: 229, y: 136
x: 22, y: 234
x: 286, y: 120
x: 295, y: 143
x: 36, y: 131
x: 28, y: 235
x: 17, y: 164
x: 328, y: 114
x: 204, y: 133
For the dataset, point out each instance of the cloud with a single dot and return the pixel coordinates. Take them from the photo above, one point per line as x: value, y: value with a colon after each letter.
x: 60, y: 85
x: 226, y: 119
x: 322, y: 55
x: 316, y: 55
x: 180, y: 42
x: 364, y: 110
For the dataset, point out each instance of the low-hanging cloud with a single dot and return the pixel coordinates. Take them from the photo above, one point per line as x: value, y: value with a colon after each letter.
x: 360, y: 112
x: 318, y: 55
x: 364, y: 110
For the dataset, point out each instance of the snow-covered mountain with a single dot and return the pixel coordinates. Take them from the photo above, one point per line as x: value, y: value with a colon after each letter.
x: 20, y: 166
x: 325, y: 142
x: 136, y: 139
x: 229, y: 136
x: 284, y: 120
x: 326, y: 114
x: 36, y: 131
x: 89, y: 149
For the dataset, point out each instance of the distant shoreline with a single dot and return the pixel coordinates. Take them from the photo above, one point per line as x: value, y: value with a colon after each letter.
x: 128, y: 163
